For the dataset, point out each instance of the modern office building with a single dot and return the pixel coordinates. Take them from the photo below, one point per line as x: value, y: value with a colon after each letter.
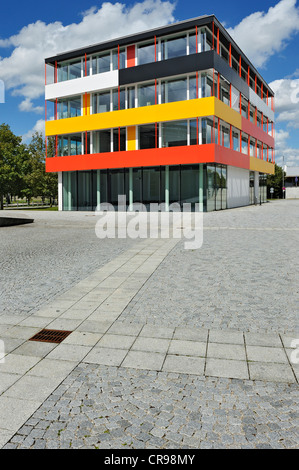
x: 173, y: 114
x: 291, y: 182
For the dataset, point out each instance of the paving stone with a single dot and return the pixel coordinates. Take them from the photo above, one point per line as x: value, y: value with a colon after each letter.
x: 226, y: 351
x: 116, y: 341
x: 188, y: 348
x: 271, y: 372
x: 106, y: 356
x: 158, y: 345
x: 144, y: 360
x: 266, y: 354
x: 226, y: 368
x: 184, y: 364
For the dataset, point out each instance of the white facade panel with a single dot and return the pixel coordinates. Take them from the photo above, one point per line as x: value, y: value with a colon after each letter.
x: 292, y: 193
x: 256, y: 101
x: 78, y: 86
x: 237, y: 187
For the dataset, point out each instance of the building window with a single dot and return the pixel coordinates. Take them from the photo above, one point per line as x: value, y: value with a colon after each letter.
x: 146, y: 94
x: 119, y: 139
x: 174, y: 90
x: 252, y: 147
x: 207, y: 88
x: 69, y: 70
x: 206, y: 39
x: 244, y: 144
x: 69, y: 145
x: 193, y: 132
x: 236, y: 140
x: 173, y: 47
x: 207, y: 126
x: 145, y: 53
x: 193, y: 83
x: 224, y: 92
x: 192, y: 43
x: 131, y: 97
x: 101, y: 102
x: 118, y: 99
x: 244, y: 108
x: 101, y: 63
x: 174, y: 133
x: 225, y: 136
x: 121, y: 57
x: 102, y: 141
x: 70, y: 107
x: 147, y: 136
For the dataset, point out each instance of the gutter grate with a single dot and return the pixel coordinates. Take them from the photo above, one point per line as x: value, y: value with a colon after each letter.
x: 50, y: 336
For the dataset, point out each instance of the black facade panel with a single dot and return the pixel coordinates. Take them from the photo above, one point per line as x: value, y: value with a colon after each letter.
x: 183, y: 65
x: 166, y: 68
x: 231, y: 75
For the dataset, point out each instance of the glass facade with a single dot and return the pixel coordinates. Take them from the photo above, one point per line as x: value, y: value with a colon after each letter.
x: 174, y: 133
x: 173, y: 47
x: 146, y: 53
x: 69, y: 107
x: 69, y: 70
x: 146, y: 94
x: 174, y: 90
x: 184, y: 185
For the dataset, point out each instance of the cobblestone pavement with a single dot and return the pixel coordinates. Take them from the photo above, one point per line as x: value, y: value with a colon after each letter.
x: 245, y: 276
x: 41, y: 260
x: 249, y: 256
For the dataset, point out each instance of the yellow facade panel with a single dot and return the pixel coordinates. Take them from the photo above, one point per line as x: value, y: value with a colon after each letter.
x: 260, y: 165
x: 131, y: 138
x: 148, y: 114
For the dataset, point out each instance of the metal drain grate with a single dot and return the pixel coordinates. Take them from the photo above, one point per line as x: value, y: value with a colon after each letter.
x: 50, y: 336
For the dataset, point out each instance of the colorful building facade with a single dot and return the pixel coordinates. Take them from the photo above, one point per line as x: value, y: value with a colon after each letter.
x: 177, y: 114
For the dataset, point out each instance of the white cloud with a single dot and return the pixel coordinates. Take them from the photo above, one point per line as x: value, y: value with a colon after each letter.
x: 23, y: 71
x: 287, y: 101
x: 260, y: 35
x: 284, y: 154
x: 38, y: 127
x: 27, y: 105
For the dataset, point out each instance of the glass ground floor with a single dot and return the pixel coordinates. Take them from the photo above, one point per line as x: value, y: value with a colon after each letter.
x: 202, y: 184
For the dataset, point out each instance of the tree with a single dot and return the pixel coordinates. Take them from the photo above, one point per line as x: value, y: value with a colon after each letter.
x: 37, y: 181
x: 275, y: 181
x: 13, y: 161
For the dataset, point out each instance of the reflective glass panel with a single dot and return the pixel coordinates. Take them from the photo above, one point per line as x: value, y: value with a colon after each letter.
x: 174, y: 90
x: 147, y: 136
x: 174, y: 133
x: 146, y: 53
x: 146, y: 94
x: 174, y: 47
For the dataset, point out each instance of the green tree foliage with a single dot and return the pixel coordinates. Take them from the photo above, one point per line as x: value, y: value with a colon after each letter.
x: 275, y: 181
x: 13, y: 163
x: 22, y: 167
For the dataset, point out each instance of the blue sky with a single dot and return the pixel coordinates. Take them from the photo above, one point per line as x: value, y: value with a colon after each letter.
x: 267, y: 31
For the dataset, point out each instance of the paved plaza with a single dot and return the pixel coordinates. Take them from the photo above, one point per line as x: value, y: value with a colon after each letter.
x: 169, y: 348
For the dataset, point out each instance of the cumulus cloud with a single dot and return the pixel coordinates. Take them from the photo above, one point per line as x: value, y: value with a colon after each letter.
x: 262, y: 34
x: 38, y: 127
x: 23, y: 70
x: 284, y: 154
x: 287, y: 101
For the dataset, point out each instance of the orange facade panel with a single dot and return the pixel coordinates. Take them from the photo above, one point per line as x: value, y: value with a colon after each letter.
x: 134, y: 158
x: 184, y: 155
x: 131, y: 61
